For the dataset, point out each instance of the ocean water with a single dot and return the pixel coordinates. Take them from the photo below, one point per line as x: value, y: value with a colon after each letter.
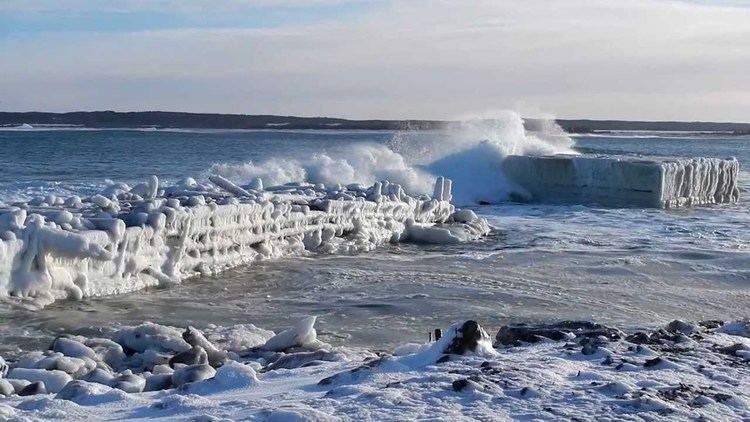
x: 625, y: 266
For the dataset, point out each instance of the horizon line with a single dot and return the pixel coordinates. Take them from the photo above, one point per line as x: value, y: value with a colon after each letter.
x: 371, y: 119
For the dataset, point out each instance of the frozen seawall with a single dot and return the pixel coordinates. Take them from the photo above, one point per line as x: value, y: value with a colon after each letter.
x: 125, y: 238
x: 625, y: 181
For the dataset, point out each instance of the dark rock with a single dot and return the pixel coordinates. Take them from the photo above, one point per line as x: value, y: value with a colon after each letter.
x: 158, y: 382
x: 652, y: 362
x: 99, y: 376
x: 594, y: 341
x: 466, y: 339
x: 127, y: 350
x: 711, y: 324
x: 528, y: 391
x: 328, y: 380
x: 36, y: 387
x: 129, y: 383
x: 195, y: 338
x: 681, y: 338
x: 661, y: 335
x: 533, y: 333
x: 473, y: 383
x: 638, y: 338
x: 192, y: 373
x: 196, y: 355
x: 589, y: 349
x: 657, y: 337
x: 443, y: 359
x: 459, y: 385
x: 720, y: 397
x: 678, y: 326
x: 357, y: 372
x: 489, y: 368
x: 438, y: 334
x: 731, y: 350
x: 296, y: 360
x: 74, y: 389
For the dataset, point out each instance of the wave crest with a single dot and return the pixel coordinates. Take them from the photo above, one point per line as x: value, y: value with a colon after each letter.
x: 469, y: 151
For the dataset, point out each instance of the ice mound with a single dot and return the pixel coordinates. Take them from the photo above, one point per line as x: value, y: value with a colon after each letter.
x: 558, y: 370
x: 151, y: 357
x: 300, y: 335
x: 126, y: 238
x: 624, y: 181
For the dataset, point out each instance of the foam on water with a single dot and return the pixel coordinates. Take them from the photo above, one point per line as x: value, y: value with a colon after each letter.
x: 361, y: 163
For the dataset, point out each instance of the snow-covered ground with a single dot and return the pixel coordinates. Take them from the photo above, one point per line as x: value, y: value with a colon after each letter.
x: 569, y: 370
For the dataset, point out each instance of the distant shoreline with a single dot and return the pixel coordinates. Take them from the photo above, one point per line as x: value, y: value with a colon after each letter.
x: 180, y: 120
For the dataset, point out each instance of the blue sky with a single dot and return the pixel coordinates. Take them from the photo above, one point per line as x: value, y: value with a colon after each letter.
x: 635, y: 59
x: 34, y: 16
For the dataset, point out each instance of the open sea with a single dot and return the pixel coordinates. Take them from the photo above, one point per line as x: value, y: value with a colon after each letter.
x: 625, y: 266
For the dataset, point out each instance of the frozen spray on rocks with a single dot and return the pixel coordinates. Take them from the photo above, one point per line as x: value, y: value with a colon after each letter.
x: 127, y: 238
x: 562, y: 370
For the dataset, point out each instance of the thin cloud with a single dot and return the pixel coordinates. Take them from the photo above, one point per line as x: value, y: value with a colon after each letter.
x: 410, y: 59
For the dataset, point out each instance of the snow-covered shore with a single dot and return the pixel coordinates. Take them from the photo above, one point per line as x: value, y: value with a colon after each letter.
x: 127, y: 238
x: 568, y: 370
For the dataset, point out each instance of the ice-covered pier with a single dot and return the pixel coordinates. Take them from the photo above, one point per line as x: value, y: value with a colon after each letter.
x: 625, y: 181
x: 127, y: 238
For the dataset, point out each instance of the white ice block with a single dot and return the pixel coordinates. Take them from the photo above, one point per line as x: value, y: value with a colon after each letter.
x: 625, y: 181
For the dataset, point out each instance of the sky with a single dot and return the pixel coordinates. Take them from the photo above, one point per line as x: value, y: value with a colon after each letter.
x: 395, y: 59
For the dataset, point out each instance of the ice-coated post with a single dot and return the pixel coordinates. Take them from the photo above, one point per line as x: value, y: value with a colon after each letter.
x: 227, y: 185
x: 377, y: 192
x: 153, y: 187
x: 385, y: 187
x: 398, y: 191
x: 447, y: 190
x: 256, y: 184
x: 439, y: 186
x: 377, y: 189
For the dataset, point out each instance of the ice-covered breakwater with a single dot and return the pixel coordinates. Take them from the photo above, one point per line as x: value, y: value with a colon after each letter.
x: 625, y: 181
x: 127, y: 238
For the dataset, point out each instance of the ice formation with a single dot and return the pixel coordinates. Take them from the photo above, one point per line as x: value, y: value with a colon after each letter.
x: 624, y: 181
x: 559, y: 371
x: 127, y: 238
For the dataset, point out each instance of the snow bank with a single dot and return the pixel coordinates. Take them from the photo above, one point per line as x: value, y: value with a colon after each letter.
x: 557, y: 371
x: 623, y: 181
x: 127, y: 238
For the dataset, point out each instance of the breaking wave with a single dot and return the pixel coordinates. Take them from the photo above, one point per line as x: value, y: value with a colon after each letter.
x: 469, y: 151
x: 357, y: 163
